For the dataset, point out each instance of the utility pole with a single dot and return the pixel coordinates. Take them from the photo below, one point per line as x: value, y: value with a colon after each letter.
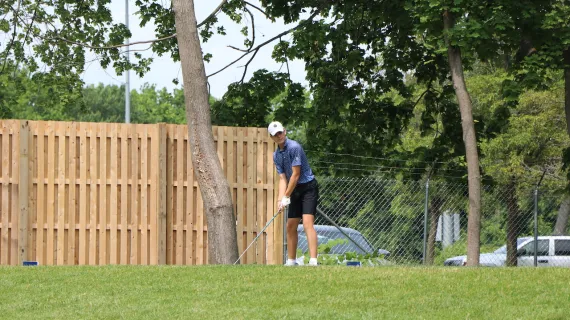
x: 127, y: 73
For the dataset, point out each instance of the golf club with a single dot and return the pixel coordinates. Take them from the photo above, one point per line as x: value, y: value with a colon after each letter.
x: 259, y: 234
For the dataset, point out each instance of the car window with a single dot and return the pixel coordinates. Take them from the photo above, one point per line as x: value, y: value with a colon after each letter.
x: 304, y: 245
x: 543, y: 246
x: 326, y: 236
x: 503, y: 249
x: 562, y: 247
x: 349, y: 246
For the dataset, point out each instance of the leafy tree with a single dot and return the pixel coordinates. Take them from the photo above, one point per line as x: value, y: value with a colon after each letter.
x: 153, y: 106
x: 35, y: 96
x: 251, y: 103
x: 101, y: 103
x: 49, y: 40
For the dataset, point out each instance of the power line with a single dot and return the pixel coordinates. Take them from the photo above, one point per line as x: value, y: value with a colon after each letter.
x: 375, y: 158
x: 381, y: 167
x: 384, y: 171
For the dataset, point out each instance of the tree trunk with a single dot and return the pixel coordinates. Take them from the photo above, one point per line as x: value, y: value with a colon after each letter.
x: 222, y: 237
x: 562, y: 218
x: 564, y: 210
x: 513, y: 215
x: 435, y: 212
x: 469, y: 138
x: 566, y: 59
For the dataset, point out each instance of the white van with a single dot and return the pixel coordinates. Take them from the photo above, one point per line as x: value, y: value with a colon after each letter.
x: 553, y: 251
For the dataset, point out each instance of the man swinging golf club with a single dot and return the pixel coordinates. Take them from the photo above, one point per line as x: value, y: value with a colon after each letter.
x: 298, y: 189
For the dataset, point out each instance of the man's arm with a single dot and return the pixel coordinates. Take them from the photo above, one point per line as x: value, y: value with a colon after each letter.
x: 282, y: 185
x: 282, y: 189
x: 293, y: 181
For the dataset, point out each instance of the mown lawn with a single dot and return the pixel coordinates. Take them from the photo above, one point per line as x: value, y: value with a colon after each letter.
x: 270, y: 292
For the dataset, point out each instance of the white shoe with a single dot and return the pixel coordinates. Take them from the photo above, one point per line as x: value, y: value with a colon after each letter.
x: 313, y: 262
x: 290, y: 263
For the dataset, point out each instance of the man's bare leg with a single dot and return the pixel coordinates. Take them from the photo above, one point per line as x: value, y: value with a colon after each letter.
x: 309, y: 226
x: 292, y: 237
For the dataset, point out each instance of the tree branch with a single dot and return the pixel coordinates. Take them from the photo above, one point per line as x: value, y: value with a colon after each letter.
x: 265, y: 43
x: 26, y: 38
x: 256, y: 7
x: 421, y: 96
x: 252, y: 29
x: 112, y: 47
x: 9, y: 47
x: 253, y: 34
x: 247, y: 64
x: 238, y: 49
x: 214, y: 13
x: 287, y: 63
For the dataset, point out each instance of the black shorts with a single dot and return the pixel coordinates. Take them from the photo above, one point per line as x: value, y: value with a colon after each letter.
x: 304, y: 199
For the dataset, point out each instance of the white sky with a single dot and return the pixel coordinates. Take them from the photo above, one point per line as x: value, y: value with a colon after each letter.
x: 163, y: 69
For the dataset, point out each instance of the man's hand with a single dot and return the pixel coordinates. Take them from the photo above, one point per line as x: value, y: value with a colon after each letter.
x: 285, y: 201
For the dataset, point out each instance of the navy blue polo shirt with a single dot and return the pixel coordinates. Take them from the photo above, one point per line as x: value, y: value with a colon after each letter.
x: 292, y: 155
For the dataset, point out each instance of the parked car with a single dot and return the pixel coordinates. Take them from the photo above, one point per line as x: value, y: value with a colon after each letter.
x: 328, y: 233
x: 553, y: 251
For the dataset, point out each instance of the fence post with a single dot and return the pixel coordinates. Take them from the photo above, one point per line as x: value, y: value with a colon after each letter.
x: 161, y: 194
x: 426, y: 220
x: 536, y: 219
x: 23, y: 184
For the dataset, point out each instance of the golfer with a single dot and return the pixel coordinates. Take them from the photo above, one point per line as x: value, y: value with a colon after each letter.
x: 298, y: 189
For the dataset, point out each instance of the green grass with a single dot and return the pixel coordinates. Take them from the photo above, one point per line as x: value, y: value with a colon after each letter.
x: 269, y: 292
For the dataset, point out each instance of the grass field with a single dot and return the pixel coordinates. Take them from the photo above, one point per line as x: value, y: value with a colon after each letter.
x: 273, y: 292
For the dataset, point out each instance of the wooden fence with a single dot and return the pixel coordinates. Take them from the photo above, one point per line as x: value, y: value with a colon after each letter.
x: 105, y: 193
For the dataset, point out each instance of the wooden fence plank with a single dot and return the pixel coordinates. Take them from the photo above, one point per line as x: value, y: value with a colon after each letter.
x: 94, y: 204
x: 260, y: 212
x: 230, y: 133
x: 5, y: 214
x: 144, y: 197
x: 113, y: 206
x: 241, y: 218
x: 14, y: 185
x: 249, y: 185
x: 159, y: 149
x: 170, y: 249
x: 102, y: 221
x: 51, y: 127
x: 124, y: 249
x: 61, y: 205
x: 272, y: 247
x: 134, y: 259
x: 179, y: 195
x: 72, y: 204
x: 153, y: 166
x: 23, y: 192
x: 83, y: 203
x: 191, y: 235
x: 33, y: 193
x: 40, y: 203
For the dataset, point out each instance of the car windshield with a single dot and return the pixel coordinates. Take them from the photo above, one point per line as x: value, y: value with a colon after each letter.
x: 348, y: 246
x: 503, y: 249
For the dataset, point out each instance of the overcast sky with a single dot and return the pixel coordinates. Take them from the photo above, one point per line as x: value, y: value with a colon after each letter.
x: 163, y: 70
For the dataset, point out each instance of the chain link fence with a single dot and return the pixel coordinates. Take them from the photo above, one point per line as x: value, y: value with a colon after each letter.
x: 416, y: 222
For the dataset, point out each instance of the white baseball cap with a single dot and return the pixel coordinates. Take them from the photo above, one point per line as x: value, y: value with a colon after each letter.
x: 275, y: 127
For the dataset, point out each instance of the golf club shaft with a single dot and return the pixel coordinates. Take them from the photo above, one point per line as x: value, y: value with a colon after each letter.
x: 259, y: 234
x: 339, y: 229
